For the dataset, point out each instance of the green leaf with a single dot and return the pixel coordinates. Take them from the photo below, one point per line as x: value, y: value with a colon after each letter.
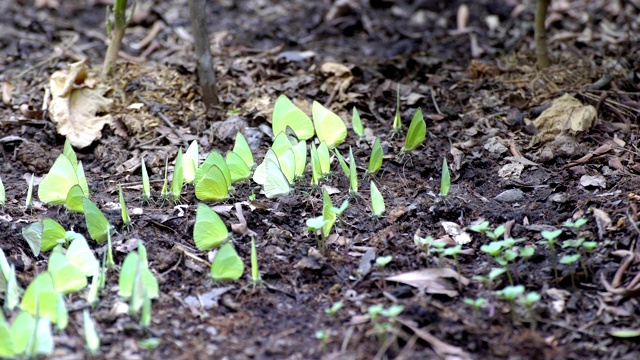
x: 416, y: 134
x: 375, y: 160
x: 445, y: 181
x: 397, y: 120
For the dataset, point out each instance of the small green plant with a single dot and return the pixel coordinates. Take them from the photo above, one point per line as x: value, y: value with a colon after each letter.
x: 29, y: 336
x: 356, y: 124
x: 438, y: 247
x: 315, y: 226
x: 454, y: 251
x: 550, y: 238
x: 115, y: 32
x: 126, y: 220
x: 334, y: 308
x: 146, y: 186
x: 353, y: 174
x: 178, y: 178
x: 382, y: 261
x: 255, y: 271
x: 383, y: 319
x: 397, y: 120
x: 164, y: 192
x: 575, y: 225
x: 570, y: 260
x: 481, y: 228
x: 510, y: 294
x: 323, y: 335
x: 529, y: 300
x: 416, y: 134
x: 328, y: 215
x: 375, y: 159
x: 29, y: 201
x: 377, y: 201
x: 445, y: 180
x: 476, y: 304
x: 493, y: 274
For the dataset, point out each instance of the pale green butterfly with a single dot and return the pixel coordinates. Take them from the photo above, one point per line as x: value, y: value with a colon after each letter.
x: 416, y: 134
x: 327, y: 213
x: 375, y: 160
x: 356, y: 123
x: 281, y: 143
x: 342, y: 162
x: 287, y: 162
x: 55, y: 186
x: 213, y: 185
x: 43, y: 235
x: 300, y: 153
x: 241, y: 147
x: 316, y: 171
x: 97, y: 224
x: 377, y: 201
x: 445, y: 181
x: 238, y: 169
x: 227, y: 265
x: 67, y: 278
x: 285, y: 113
x: 31, y: 336
x: 91, y: 338
x: 276, y: 183
x: 190, y: 162
x: 209, y: 230
x: 146, y: 186
x: 77, y: 166
x: 214, y: 158
x: 80, y: 255
x: 74, y: 199
x: 260, y: 175
x: 329, y: 127
x: 49, y: 301
x: 133, y: 267
x: 255, y: 271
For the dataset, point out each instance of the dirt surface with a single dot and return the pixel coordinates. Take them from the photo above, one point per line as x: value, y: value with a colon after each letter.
x: 479, y: 89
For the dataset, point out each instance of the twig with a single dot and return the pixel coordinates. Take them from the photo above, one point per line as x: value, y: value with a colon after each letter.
x: 156, y: 112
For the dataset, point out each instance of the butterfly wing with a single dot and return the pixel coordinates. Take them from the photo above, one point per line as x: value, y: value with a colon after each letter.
x: 276, y: 183
x: 54, y: 187
x: 227, y: 265
x: 213, y: 186
x: 241, y: 147
x: 286, y: 113
x: 238, y: 169
x: 329, y: 126
x: 209, y: 230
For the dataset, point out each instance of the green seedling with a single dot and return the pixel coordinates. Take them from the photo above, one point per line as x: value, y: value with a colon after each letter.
x: 3, y: 195
x: 454, y: 251
x: 382, y: 261
x: 493, y: 274
x: 324, y: 158
x: 382, y: 327
x: 29, y: 202
x: 527, y: 252
x: 108, y: 259
x: 126, y: 220
x: 329, y: 127
x: 438, y: 248
x: 209, y: 231
x: 190, y: 162
x: 91, y: 338
x: 481, y: 228
x: 476, y: 304
x: 227, y: 265
x: 315, y: 226
x: 136, y: 281
x: 242, y: 149
x: 342, y: 162
x: 569, y: 260
x: 510, y: 294
x: 416, y: 134
x: 375, y: 160
x: 528, y: 301
x: 164, y: 193
x: 445, y: 180
x: 575, y: 225
x: 423, y: 243
x: 353, y: 174
x: 323, y: 335
x: 328, y: 215
x: 178, y: 178
x: 255, y: 271
x: 316, y: 169
x: 146, y: 186
x: 495, y: 234
x: 149, y: 344
x: 286, y: 113
x: 397, y: 120
x: 356, y: 124
x: 572, y: 243
x: 377, y: 201
x: 115, y: 32
x: 549, y: 238
x: 252, y: 197
x: 334, y: 308
x: 498, y: 250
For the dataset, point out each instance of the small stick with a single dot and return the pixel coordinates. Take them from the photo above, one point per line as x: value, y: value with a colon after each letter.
x: 156, y: 112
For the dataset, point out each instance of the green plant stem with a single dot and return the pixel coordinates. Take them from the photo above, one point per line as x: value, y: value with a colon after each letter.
x: 540, y: 34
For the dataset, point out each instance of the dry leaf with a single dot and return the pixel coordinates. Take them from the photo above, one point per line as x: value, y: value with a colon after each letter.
x: 455, y: 231
x: 566, y: 115
x: 76, y: 110
x: 339, y: 75
x: 431, y: 280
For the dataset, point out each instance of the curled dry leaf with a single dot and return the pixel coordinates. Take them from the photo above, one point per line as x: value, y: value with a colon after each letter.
x: 566, y: 115
x: 431, y: 280
x: 455, y: 231
x: 77, y: 111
